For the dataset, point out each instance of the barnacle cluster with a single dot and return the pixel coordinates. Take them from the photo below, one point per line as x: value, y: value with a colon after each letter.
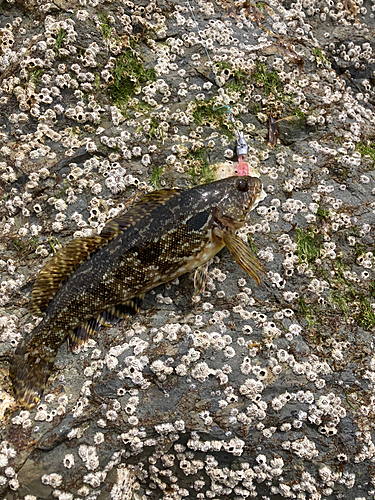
x: 239, y: 392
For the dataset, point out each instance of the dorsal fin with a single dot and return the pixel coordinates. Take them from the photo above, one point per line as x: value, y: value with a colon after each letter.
x: 67, y: 260
x: 139, y: 210
x: 60, y: 267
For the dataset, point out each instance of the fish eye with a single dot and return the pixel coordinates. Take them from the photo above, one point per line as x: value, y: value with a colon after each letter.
x: 242, y: 185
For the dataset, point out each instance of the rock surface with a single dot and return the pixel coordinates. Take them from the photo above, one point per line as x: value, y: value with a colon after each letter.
x: 242, y: 392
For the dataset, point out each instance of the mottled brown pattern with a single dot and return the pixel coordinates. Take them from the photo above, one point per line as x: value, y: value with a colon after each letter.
x: 166, y: 234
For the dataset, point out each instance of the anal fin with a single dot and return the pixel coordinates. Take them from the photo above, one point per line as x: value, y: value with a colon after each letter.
x: 111, y: 316
x: 120, y: 311
x: 83, y: 333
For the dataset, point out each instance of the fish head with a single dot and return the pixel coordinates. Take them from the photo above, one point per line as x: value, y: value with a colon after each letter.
x: 240, y: 196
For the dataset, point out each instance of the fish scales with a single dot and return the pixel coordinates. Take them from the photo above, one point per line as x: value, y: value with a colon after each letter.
x: 165, y: 235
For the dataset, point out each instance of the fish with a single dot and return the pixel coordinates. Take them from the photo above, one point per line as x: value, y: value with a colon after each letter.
x: 100, y: 279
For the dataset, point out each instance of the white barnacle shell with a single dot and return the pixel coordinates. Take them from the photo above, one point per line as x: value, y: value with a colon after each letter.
x: 68, y: 461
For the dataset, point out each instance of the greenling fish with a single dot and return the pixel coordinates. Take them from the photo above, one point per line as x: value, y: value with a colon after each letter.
x: 97, y: 280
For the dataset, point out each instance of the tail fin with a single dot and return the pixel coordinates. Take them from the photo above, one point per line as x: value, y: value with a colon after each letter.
x: 30, y: 369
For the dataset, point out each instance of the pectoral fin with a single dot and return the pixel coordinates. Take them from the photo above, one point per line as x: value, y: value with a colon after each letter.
x: 200, y: 278
x: 242, y: 255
